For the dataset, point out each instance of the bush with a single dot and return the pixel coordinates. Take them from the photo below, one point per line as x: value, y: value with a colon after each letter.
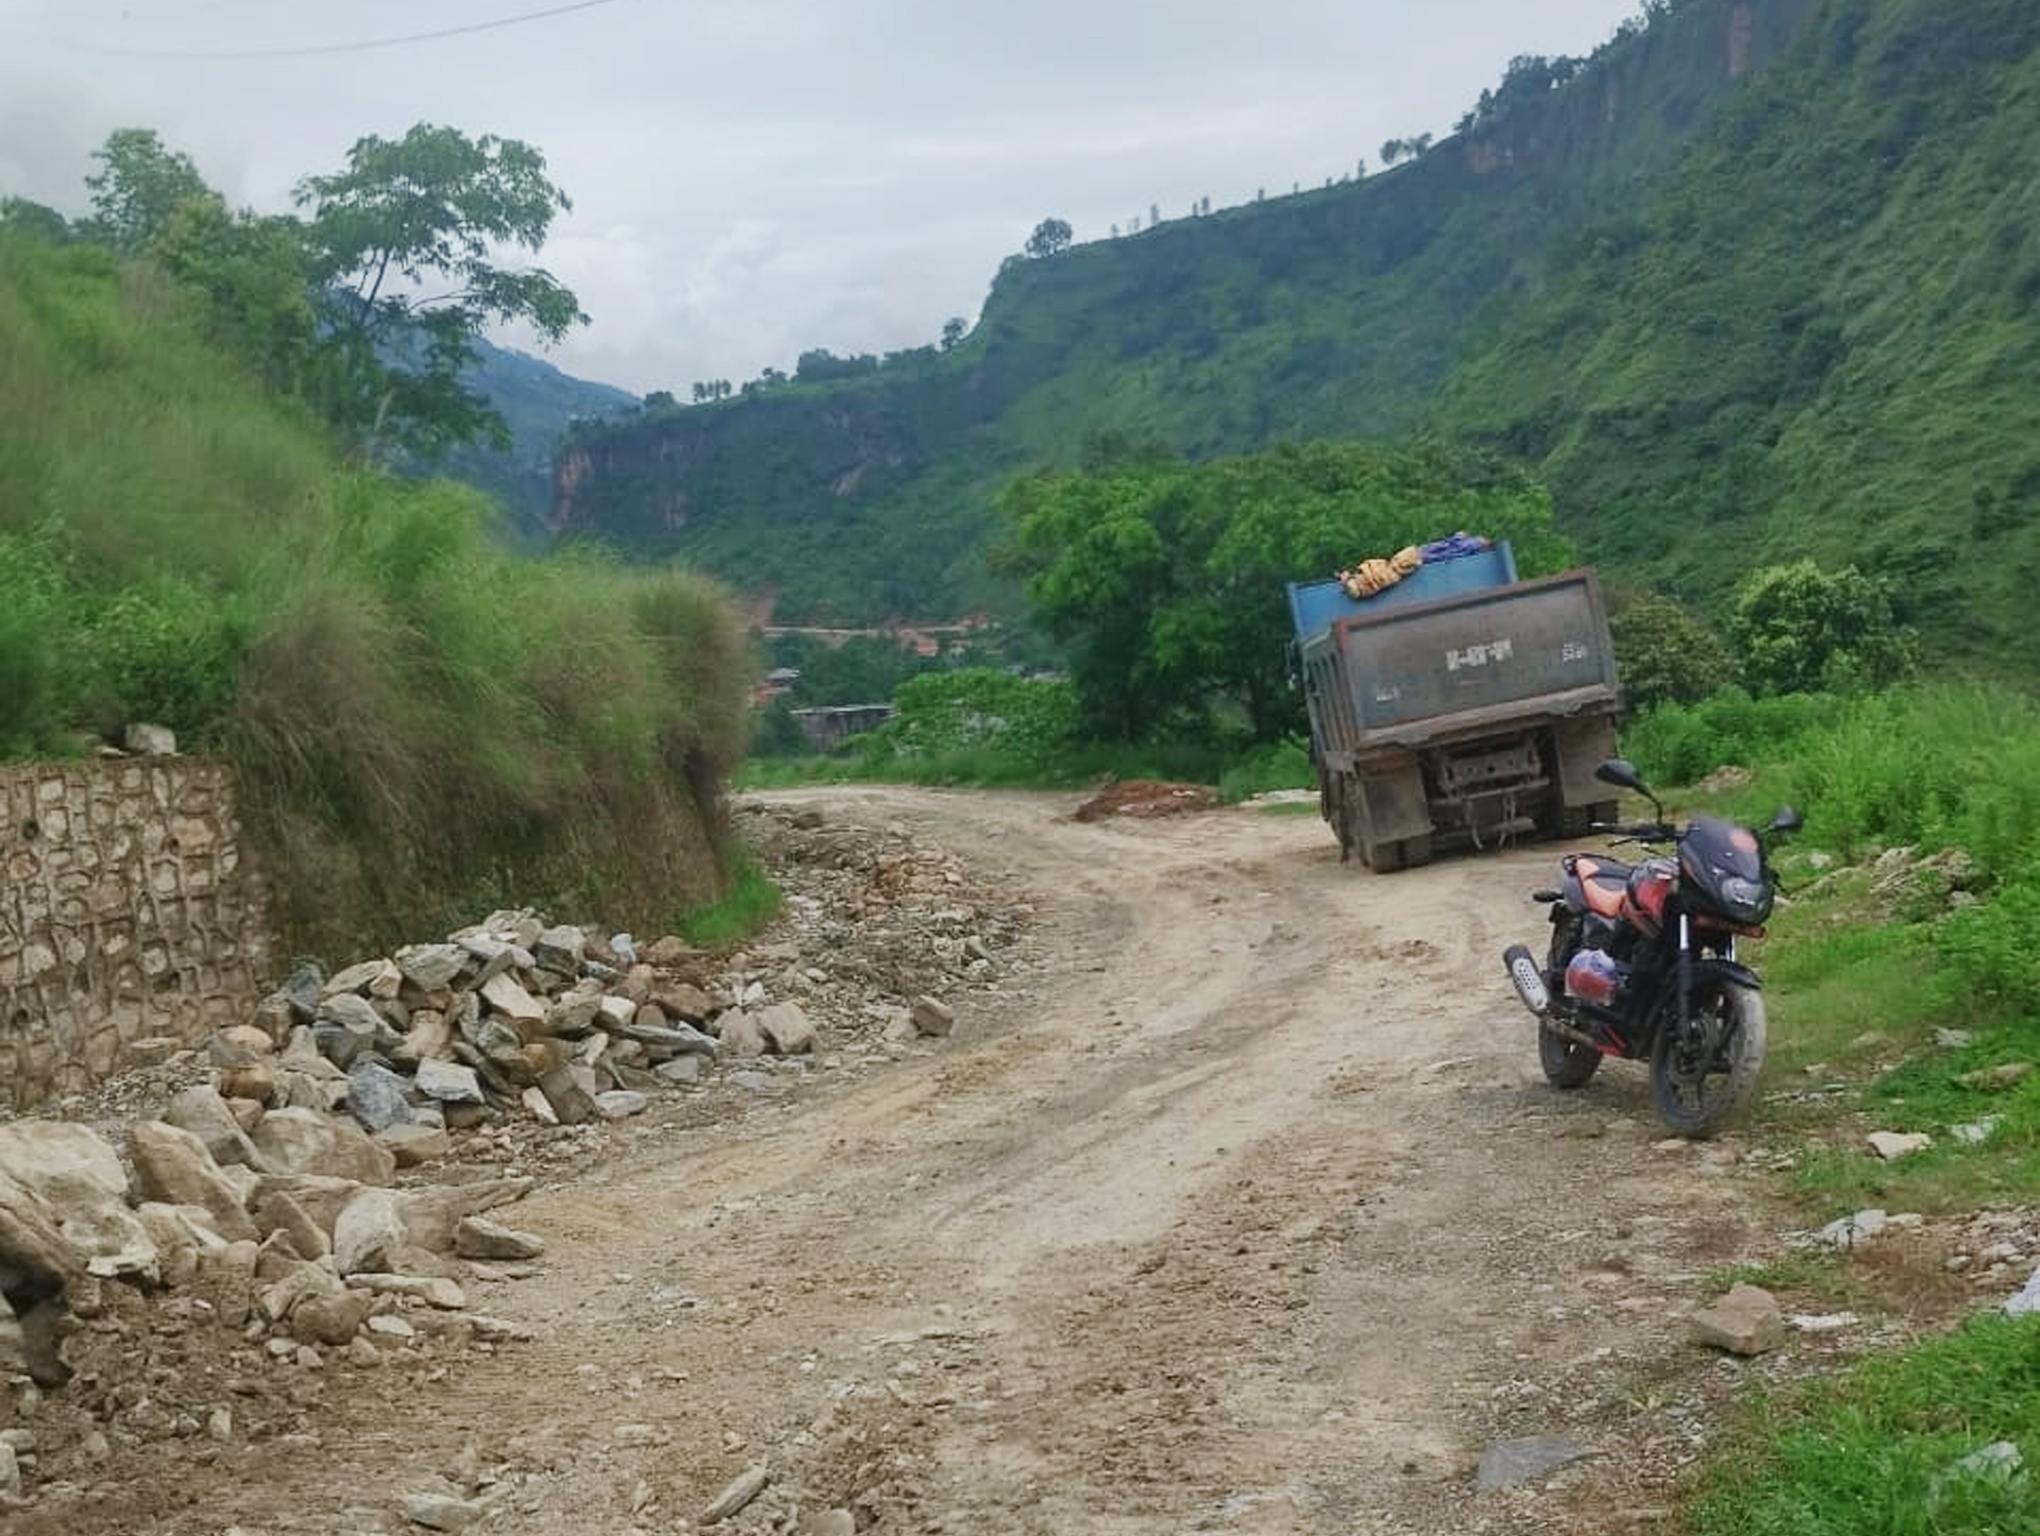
x: 1278, y: 765
x: 1799, y: 629
x: 1014, y: 729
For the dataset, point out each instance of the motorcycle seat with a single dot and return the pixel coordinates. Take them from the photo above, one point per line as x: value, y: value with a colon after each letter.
x: 1604, y: 883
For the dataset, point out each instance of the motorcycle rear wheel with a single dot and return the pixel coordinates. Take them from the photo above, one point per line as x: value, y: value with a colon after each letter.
x: 1567, y: 1064
x: 1698, y: 1099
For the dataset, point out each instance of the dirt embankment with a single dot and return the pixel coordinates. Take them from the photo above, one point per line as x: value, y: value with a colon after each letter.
x: 1235, y: 1204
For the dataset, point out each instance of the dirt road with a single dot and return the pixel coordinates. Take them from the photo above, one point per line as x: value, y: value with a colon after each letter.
x: 1251, y: 1214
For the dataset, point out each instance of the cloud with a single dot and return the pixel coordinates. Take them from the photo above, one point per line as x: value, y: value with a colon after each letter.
x: 754, y: 179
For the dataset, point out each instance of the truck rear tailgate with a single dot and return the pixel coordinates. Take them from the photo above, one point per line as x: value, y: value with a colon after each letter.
x: 1454, y: 662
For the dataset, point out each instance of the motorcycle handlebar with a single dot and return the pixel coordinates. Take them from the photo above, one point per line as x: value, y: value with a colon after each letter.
x: 1638, y: 831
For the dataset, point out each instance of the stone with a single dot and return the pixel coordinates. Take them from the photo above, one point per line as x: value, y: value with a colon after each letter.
x: 1998, y: 1464
x: 670, y: 953
x: 433, y: 1290
x: 746, y: 1487
x: 539, y: 1107
x: 172, y: 1167
x: 685, y: 1002
x: 375, y: 1096
x: 303, y: 1141
x: 449, y: 1082
x: 1892, y: 1144
x: 1747, y: 1321
x: 152, y: 1050
x: 476, y: 1237
x: 414, y: 1144
x: 620, y: 1104
x: 432, y: 1215
x: 1996, y: 1079
x: 254, y: 1083
x: 2027, y: 1302
x: 830, y: 1522
x: 431, y: 966
x: 572, y: 1015
x: 283, y: 1297
x: 367, y: 1230
x: 560, y: 949
x: 145, y: 740
x: 277, y: 1214
x: 430, y: 1038
x: 672, y: 1039
x: 680, y: 1071
x: 787, y: 1029
x: 36, y: 1261
x: 331, y: 1319
x: 389, y: 1325
x: 1852, y: 1231
x: 441, y: 1511
x: 355, y: 979
x: 571, y: 1103
x: 508, y: 998
x: 206, y: 1114
x: 320, y: 1197
x: 932, y: 1016
x: 80, y: 1179
x: 10, y: 1476
x: 741, y: 1036
x: 1509, y: 1462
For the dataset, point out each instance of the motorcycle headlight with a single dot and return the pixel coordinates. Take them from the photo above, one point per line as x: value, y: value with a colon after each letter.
x: 1746, y: 899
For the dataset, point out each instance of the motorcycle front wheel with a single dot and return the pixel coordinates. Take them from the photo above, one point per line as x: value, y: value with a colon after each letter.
x: 1697, y: 1093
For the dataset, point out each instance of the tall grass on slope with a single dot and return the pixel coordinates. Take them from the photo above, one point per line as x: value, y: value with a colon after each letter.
x: 421, y: 722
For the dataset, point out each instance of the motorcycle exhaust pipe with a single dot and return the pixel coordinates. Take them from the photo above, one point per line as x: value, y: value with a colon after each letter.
x: 1527, y: 979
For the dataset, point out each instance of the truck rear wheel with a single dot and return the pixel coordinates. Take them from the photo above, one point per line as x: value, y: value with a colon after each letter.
x: 1578, y: 820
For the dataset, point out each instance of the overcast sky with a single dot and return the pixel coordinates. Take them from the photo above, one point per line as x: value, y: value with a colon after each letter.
x: 752, y: 178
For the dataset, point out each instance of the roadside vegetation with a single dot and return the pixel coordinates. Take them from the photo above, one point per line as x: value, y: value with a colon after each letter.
x: 200, y: 529
x: 1905, y: 997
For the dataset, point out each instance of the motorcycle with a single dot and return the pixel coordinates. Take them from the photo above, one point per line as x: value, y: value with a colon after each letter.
x: 1641, y: 963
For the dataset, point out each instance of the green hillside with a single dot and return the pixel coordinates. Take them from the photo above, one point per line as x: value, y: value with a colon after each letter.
x: 1759, y: 278
x: 1822, y: 338
x: 1336, y: 312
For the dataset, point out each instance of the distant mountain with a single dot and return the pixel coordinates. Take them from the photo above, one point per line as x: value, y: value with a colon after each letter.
x: 1756, y: 280
x: 541, y: 404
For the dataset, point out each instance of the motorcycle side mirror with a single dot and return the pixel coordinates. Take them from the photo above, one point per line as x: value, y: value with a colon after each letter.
x: 1619, y: 771
x: 1787, y: 820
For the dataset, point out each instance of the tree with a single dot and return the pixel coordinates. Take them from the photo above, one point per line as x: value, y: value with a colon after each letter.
x: 952, y: 333
x: 20, y: 216
x: 1165, y: 579
x: 1799, y: 629
x: 139, y: 185
x: 1051, y: 237
x: 660, y: 401
x: 1664, y: 654
x: 1392, y: 150
x: 401, y: 257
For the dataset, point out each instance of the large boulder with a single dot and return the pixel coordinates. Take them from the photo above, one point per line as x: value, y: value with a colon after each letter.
x: 80, y: 1176
x: 207, y: 1115
x: 305, y: 1141
x: 173, y: 1167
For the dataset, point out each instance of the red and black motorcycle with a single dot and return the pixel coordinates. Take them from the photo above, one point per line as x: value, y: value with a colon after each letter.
x: 1641, y: 962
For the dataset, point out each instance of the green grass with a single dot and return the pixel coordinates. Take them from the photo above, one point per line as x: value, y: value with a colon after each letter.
x: 418, y: 718
x: 1869, y: 1454
x: 752, y: 902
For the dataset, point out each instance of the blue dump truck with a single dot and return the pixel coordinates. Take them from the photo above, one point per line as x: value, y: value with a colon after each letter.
x: 1458, y: 707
